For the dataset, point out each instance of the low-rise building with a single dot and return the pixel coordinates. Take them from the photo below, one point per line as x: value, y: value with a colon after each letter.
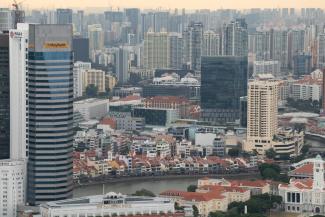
x: 156, y: 116
x: 111, y: 204
x: 91, y: 108
x: 306, y: 196
x: 208, y: 198
x: 256, y: 187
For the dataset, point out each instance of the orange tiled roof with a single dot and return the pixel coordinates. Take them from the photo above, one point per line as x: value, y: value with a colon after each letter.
x: 306, y: 169
x: 249, y: 183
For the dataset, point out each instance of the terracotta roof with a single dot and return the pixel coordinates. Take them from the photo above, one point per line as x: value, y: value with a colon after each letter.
x: 169, y: 99
x: 108, y: 121
x: 130, y: 98
x: 249, y: 183
x: 190, y: 196
x: 306, y: 169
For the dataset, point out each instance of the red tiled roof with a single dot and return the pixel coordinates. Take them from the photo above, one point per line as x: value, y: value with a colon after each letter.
x: 109, y: 121
x: 197, y: 196
x: 130, y: 98
x: 170, y: 99
x: 306, y: 169
x: 249, y: 183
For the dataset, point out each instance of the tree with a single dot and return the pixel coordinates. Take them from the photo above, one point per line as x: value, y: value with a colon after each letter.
x: 195, y: 211
x: 191, y: 188
x: 91, y: 90
x: 269, y: 173
x: 144, y: 192
x: 239, y: 206
x: 270, y: 153
x: 305, y: 149
x: 233, y: 152
x: 177, y: 207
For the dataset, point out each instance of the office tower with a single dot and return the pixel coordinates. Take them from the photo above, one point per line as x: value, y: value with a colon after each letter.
x: 50, y: 17
x: 302, y: 64
x: 296, y: 40
x: 259, y: 45
x: 175, y: 46
x: 211, y: 44
x: 18, y: 16
x: 94, y: 77
x: 266, y: 67
x: 113, y: 17
x: 80, y: 49
x: 50, y: 113
x: 133, y: 16
x: 321, y: 51
x: 122, y: 65
x: 161, y: 19
x: 147, y: 20
x: 96, y: 38
x: 4, y: 97
x: 279, y: 47
x: 80, y: 22
x: 193, y: 42
x: 5, y: 19
x: 156, y: 50
x: 12, y: 186
x: 262, y: 111
x: 79, y: 69
x: 223, y: 82
x: 63, y: 16
x: 235, y: 38
x: 18, y: 44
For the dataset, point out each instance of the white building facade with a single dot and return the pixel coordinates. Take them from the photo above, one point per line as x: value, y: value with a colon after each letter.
x: 78, y: 77
x: 111, y: 204
x: 12, y: 186
x: 306, y: 196
x: 18, y: 43
x: 266, y: 67
x: 92, y: 108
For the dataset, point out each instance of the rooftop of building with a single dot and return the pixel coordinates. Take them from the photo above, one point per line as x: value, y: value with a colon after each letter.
x: 170, y: 99
x: 102, y: 199
x: 90, y: 100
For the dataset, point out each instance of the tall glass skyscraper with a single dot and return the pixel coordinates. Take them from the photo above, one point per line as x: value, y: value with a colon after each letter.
x: 63, y: 16
x: 50, y: 105
x: 223, y: 82
x: 4, y: 97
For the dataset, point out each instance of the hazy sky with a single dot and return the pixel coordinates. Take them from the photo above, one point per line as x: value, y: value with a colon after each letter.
x: 165, y: 4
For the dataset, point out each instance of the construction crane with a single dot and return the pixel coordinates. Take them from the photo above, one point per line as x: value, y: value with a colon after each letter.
x: 17, y: 5
x: 19, y: 14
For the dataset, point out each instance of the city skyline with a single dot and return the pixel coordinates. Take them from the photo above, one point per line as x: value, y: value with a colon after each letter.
x: 167, y: 4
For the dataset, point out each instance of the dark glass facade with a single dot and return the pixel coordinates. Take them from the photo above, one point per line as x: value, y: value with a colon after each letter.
x: 4, y: 98
x: 190, y: 92
x: 223, y: 82
x: 302, y: 65
x: 156, y: 117
x: 81, y: 49
x: 50, y: 114
x: 63, y: 16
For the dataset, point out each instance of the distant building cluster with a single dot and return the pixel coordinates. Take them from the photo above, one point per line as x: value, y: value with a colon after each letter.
x: 88, y: 95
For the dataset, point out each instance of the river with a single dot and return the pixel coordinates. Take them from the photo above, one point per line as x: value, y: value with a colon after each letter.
x: 157, y: 186
x: 129, y: 187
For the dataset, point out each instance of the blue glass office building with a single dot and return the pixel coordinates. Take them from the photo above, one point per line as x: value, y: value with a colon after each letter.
x: 223, y: 82
x: 50, y: 113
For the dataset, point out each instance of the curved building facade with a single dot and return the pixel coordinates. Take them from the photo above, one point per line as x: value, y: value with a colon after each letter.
x: 50, y: 112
